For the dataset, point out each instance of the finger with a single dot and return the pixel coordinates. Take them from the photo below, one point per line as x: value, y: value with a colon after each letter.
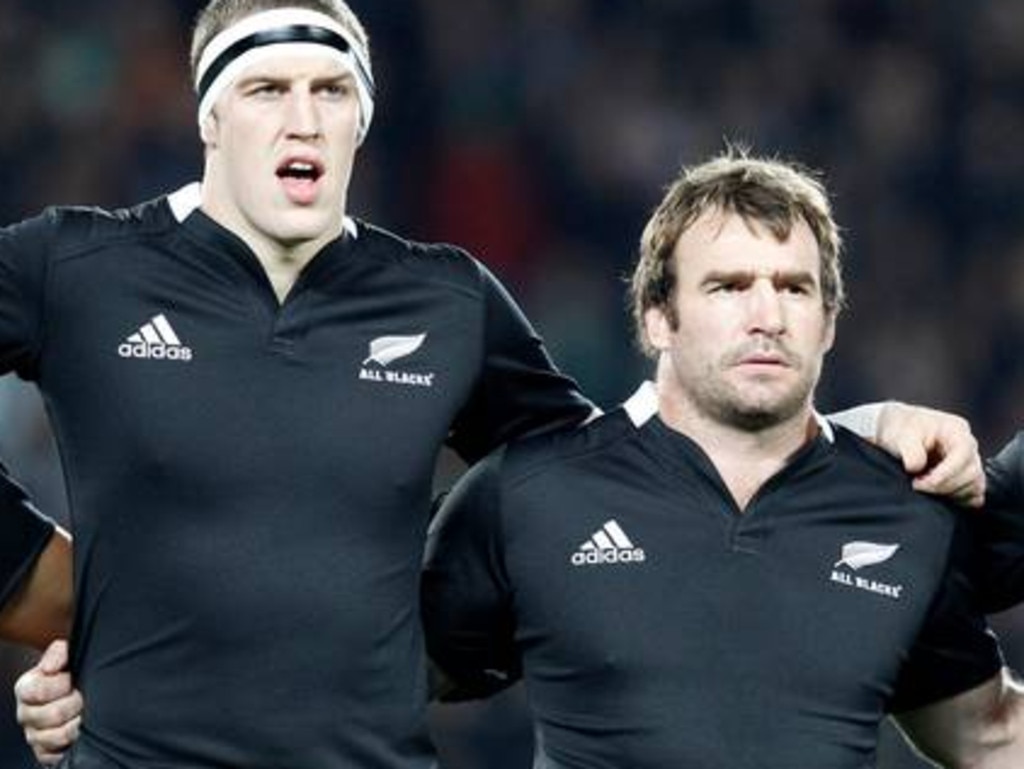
x: 55, y: 658
x: 53, y: 742
x: 914, y: 455
x: 55, y: 715
x: 951, y: 473
x: 36, y: 688
x: 969, y: 494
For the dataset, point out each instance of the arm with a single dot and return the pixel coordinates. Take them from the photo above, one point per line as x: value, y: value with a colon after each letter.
x: 35, y: 563
x: 39, y: 609
x: 35, y: 571
x: 519, y: 391
x: 999, y: 531
x: 937, y: 448
x: 465, y: 598
x: 979, y: 729
x: 36, y: 605
x: 954, y: 699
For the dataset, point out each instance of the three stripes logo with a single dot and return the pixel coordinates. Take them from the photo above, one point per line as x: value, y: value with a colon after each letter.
x: 609, y: 544
x: 156, y: 340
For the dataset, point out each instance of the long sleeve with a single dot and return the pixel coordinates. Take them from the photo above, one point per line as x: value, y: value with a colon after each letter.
x: 519, y: 391
x: 466, y: 601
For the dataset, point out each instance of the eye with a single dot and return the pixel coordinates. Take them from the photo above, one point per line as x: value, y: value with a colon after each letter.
x: 336, y: 91
x: 725, y: 286
x: 265, y: 90
x: 797, y: 288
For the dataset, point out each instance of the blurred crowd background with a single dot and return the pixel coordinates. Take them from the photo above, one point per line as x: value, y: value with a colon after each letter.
x: 540, y: 133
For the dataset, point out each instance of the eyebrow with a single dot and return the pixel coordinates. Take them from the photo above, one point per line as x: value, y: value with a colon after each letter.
x: 799, y: 277
x: 276, y: 79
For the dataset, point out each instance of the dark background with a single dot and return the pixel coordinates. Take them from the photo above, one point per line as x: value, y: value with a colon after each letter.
x: 540, y: 133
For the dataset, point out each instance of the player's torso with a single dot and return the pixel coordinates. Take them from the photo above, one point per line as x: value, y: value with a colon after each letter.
x: 249, y: 483
x: 653, y: 613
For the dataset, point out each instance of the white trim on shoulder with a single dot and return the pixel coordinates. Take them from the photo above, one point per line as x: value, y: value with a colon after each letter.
x: 186, y: 200
x: 642, y: 404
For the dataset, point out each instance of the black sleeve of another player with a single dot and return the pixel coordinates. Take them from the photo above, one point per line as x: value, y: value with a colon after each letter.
x: 1000, y: 530
x: 955, y: 651
x: 518, y: 391
x: 465, y: 599
x: 23, y: 259
x: 24, y: 533
x: 24, y: 249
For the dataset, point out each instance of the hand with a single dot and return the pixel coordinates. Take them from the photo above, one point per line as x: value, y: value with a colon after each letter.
x: 49, y: 707
x: 937, y: 449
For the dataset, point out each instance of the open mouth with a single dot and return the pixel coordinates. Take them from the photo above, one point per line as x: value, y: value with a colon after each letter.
x: 299, y: 177
x: 300, y: 170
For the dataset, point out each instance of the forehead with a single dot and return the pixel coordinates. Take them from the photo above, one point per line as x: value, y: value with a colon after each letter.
x: 720, y: 240
x: 295, y: 62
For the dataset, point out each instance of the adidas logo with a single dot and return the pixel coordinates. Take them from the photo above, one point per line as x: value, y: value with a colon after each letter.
x: 609, y: 544
x: 156, y: 341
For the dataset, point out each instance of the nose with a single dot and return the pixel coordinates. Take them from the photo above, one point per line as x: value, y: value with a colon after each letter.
x: 766, y: 309
x: 303, y: 117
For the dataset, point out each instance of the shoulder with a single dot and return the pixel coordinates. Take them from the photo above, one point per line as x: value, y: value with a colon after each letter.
x: 537, y: 468
x: 70, y: 230
x: 869, y: 476
x: 554, y: 455
x: 863, y: 460
x: 441, y: 263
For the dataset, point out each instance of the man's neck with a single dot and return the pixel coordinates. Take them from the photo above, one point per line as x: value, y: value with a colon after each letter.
x: 283, y: 265
x: 744, y: 458
x: 282, y: 262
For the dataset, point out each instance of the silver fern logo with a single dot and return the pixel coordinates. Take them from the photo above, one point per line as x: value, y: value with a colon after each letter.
x: 384, y: 351
x: 387, y: 349
x: 855, y: 556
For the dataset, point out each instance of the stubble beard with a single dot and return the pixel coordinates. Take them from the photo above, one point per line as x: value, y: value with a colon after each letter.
x: 726, y: 404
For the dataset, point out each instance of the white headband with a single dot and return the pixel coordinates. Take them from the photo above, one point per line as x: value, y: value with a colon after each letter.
x: 286, y: 30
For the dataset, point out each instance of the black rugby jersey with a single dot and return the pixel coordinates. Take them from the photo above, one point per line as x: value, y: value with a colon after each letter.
x: 655, y: 625
x: 1000, y: 529
x: 249, y: 481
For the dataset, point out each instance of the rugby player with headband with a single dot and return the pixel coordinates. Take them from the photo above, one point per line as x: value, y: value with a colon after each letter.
x: 250, y: 389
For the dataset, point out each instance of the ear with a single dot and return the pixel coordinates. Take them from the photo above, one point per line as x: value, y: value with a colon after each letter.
x: 208, y: 130
x: 658, y: 329
x: 830, y: 331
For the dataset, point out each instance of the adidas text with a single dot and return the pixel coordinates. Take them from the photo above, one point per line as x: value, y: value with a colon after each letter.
x: 594, y: 557
x: 155, y: 351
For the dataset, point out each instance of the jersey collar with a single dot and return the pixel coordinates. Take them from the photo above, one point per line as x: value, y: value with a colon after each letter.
x: 643, y: 404
x: 187, y: 199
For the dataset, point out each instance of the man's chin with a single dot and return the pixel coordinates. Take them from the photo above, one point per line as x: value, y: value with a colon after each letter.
x: 756, y: 415
x: 755, y: 420
x: 303, y: 226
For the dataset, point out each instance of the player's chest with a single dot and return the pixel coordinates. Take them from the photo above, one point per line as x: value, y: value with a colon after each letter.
x: 163, y: 363
x: 674, y: 587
